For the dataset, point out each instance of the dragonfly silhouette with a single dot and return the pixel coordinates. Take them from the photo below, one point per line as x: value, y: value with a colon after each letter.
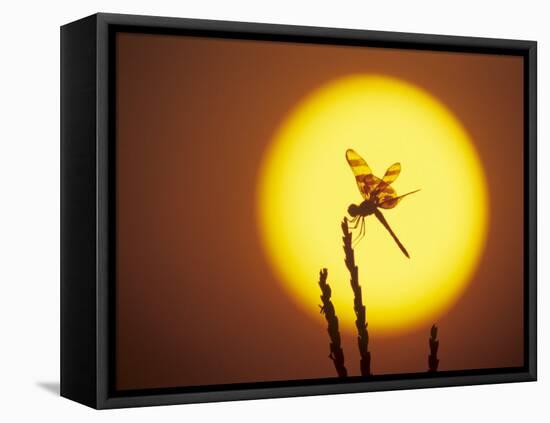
x: 377, y: 194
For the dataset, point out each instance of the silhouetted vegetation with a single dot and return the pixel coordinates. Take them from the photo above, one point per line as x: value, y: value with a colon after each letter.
x: 433, y: 361
x: 336, y: 352
x: 327, y: 308
x: 358, y: 306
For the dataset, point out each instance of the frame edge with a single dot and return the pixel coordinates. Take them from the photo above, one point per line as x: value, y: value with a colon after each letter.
x: 78, y: 216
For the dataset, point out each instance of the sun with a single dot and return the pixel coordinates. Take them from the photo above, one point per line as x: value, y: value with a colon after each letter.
x: 305, y: 187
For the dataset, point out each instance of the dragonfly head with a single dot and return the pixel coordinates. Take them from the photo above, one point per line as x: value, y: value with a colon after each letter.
x: 353, y: 210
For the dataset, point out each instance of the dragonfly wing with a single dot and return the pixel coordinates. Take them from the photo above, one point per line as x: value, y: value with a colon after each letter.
x: 392, y: 173
x: 366, y: 181
x: 390, y: 202
x: 385, y: 194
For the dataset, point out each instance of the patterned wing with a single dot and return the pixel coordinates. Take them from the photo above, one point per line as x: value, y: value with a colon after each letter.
x: 385, y: 195
x: 389, y: 202
x: 392, y: 173
x: 366, y: 181
x: 384, y: 192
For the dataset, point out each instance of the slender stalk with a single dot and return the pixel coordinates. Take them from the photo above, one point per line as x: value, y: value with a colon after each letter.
x: 336, y: 352
x: 358, y: 306
x: 433, y: 361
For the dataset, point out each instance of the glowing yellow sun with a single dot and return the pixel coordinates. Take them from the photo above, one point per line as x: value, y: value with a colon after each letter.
x: 305, y: 187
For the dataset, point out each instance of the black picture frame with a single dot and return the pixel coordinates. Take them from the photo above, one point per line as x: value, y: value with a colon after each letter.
x: 87, y: 209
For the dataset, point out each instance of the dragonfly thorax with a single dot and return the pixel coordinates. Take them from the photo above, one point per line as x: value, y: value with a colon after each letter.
x: 366, y: 208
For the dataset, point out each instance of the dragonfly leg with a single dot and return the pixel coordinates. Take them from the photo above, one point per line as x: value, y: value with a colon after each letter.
x: 356, y: 220
x: 351, y: 220
x: 361, y: 232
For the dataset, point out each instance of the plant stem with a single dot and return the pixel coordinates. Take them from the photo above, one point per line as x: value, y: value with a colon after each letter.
x: 336, y: 352
x: 433, y: 361
x: 358, y: 306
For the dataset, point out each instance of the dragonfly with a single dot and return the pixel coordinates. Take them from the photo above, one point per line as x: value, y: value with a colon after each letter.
x: 377, y: 194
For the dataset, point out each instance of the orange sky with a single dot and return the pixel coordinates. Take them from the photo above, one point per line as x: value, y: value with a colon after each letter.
x: 196, y: 300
